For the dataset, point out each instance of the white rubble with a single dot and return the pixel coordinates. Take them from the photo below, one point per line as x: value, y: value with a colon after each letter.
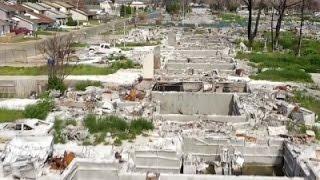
x: 16, y: 104
x: 26, y: 147
x: 120, y: 78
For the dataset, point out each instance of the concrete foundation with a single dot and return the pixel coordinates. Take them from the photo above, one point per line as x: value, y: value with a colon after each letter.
x: 268, y: 152
x: 159, y: 161
x: 188, y: 103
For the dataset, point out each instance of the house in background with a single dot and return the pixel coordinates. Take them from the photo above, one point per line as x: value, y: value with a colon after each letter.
x: 19, y: 9
x: 80, y: 15
x: 64, y: 7
x: 4, y: 28
x: 59, y: 17
x: 42, y: 21
x: 36, y: 8
x: 51, y: 5
x: 6, y: 12
x: 32, y: 21
x: 22, y: 21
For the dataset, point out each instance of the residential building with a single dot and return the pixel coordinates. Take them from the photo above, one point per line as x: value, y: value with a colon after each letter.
x: 6, y: 12
x: 51, y: 5
x: 80, y: 15
x: 22, y: 21
x: 64, y: 7
x: 19, y: 9
x: 32, y: 21
x: 35, y: 7
x: 59, y: 17
x: 4, y: 27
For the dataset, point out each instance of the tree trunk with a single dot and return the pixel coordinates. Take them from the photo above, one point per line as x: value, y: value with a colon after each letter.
x: 301, y: 26
x: 250, y: 23
x: 272, y: 38
x: 281, y: 11
x: 257, y: 23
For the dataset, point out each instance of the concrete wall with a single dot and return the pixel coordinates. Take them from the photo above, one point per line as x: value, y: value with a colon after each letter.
x: 214, y: 118
x: 148, y: 66
x: 202, y: 66
x: 199, y: 53
x: 22, y: 87
x: 292, y: 166
x: 160, y: 161
x: 188, y: 103
x: 209, y: 149
x: 172, y: 38
x: 201, y: 177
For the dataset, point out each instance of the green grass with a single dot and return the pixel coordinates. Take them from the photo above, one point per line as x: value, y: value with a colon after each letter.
x: 233, y: 18
x: 25, y: 39
x: 293, y: 68
x: 77, y: 70
x: 58, y: 126
x: 44, y: 33
x: 126, y: 48
x: 40, y: 110
x: 82, y: 85
x: 79, y: 45
x: 283, y: 75
x: 118, y: 127
x: 308, y: 102
x: 10, y: 115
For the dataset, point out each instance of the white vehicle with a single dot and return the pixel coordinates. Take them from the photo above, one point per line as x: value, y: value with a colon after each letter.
x: 104, y: 48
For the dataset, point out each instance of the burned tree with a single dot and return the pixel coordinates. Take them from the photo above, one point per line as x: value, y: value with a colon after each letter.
x: 57, y: 51
x: 251, y: 5
x: 281, y: 6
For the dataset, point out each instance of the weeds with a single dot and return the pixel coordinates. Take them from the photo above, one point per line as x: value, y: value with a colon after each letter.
x: 308, y: 102
x: 82, y: 85
x: 58, y: 126
x: 7, y: 115
x: 292, y: 67
x: 74, y: 70
x: 284, y: 75
x: 40, y: 110
x: 118, y: 127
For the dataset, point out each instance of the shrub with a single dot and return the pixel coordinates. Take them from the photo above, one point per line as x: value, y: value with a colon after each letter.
x: 56, y: 83
x: 71, y: 22
x: 118, y: 127
x: 58, y: 126
x: 70, y: 122
x: 39, y: 110
x: 81, y: 86
x: 117, y: 142
x: 111, y: 124
x: 308, y: 102
x: 139, y: 125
